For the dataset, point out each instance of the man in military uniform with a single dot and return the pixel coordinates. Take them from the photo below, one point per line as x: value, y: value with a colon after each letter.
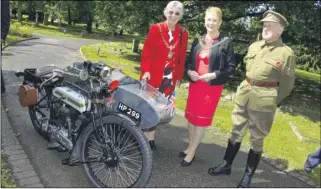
x: 270, y: 75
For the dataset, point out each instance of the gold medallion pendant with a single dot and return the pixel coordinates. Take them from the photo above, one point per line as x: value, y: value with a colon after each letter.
x: 170, y: 47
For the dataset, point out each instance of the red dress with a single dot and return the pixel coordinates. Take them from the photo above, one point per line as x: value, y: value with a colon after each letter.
x: 202, y: 98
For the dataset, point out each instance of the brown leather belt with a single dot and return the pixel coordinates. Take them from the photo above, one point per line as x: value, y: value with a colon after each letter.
x: 261, y: 83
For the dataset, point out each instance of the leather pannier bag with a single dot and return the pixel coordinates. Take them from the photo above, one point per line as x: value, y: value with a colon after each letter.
x: 27, y: 95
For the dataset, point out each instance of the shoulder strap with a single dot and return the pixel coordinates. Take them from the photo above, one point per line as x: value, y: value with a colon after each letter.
x: 181, y: 35
x: 222, y: 41
x: 180, y: 45
x: 180, y: 40
x: 215, y: 44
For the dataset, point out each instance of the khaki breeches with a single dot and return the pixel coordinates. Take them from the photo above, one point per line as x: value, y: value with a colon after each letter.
x: 259, y: 124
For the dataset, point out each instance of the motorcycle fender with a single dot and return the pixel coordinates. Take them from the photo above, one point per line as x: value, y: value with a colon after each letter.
x: 75, y: 154
x: 122, y: 116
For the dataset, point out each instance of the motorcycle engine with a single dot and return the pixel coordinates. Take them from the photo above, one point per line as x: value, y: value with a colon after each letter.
x: 66, y: 120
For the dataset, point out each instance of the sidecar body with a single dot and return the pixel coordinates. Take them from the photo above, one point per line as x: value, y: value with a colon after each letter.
x: 139, y: 101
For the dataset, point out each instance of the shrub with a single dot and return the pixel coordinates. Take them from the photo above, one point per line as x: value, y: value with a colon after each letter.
x: 18, y: 29
x: 307, y: 59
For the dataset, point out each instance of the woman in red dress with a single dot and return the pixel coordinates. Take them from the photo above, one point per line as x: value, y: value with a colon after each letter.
x: 210, y: 63
x: 163, y: 56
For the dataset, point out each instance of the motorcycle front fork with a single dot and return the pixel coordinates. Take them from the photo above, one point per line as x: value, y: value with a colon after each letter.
x: 106, y: 146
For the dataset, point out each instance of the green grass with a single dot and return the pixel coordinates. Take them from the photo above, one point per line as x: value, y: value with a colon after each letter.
x: 281, y: 143
x: 72, y: 31
x: 12, y: 38
x: 308, y: 76
x: 110, y: 53
x: 21, y: 30
x: 52, y: 30
x: 306, y: 94
x: 7, y: 180
x: 18, y: 32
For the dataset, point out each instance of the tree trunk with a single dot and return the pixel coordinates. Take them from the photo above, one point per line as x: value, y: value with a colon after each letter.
x: 31, y: 10
x: 89, y: 24
x: 69, y: 15
x: 20, y: 11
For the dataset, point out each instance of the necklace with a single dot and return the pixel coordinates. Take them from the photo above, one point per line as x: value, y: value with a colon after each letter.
x: 170, y: 47
x: 203, y: 43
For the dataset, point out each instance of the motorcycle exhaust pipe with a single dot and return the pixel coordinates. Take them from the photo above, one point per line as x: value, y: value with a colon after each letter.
x: 63, y: 140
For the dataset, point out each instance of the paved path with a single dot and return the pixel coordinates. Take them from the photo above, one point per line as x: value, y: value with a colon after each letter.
x: 21, y: 166
x: 170, y: 138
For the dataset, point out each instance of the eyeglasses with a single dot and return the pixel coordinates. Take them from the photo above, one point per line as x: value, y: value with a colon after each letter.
x: 172, y: 12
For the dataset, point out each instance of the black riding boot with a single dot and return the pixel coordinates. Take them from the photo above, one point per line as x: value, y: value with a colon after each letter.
x: 226, y: 166
x: 253, y: 160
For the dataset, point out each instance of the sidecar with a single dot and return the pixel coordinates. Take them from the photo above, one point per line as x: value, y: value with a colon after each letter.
x: 139, y: 101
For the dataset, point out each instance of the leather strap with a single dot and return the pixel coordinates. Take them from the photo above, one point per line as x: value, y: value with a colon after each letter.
x: 180, y: 46
x: 180, y: 41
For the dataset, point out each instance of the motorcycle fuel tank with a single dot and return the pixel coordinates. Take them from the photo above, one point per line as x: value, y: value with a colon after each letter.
x: 72, y: 98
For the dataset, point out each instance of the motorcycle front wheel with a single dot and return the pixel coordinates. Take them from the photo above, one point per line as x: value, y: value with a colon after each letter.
x: 131, y: 162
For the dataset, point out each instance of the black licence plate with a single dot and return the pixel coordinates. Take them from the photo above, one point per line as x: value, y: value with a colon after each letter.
x: 130, y: 112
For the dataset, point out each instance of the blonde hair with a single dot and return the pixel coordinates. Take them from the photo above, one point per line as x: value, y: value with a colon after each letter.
x: 216, y: 10
x: 175, y: 4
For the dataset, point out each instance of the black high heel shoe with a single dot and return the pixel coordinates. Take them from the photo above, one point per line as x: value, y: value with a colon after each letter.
x: 182, y: 154
x: 152, y: 144
x: 186, y: 164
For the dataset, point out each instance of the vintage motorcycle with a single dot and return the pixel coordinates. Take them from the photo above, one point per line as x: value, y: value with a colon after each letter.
x: 85, y: 110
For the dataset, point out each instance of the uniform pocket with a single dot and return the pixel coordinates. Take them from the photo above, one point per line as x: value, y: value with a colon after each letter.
x: 249, y: 60
x: 241, y: 95
x: 266, y: 100
x: 241, y: 85
x: 271, y: 67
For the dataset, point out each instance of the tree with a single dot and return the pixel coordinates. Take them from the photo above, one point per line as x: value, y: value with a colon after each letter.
x: 86, y: 13
x: 69, y: 14
x: 20, y: 11
x: 241, y: 20
x: 303, y: 33
x: 133, y: 16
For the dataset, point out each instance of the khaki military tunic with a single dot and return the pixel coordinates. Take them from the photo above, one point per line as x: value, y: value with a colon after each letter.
x: 256, y: 105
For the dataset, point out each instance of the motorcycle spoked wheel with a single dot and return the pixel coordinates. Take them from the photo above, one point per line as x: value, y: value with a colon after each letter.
x: 39, y: 113
x: 134, y: 165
